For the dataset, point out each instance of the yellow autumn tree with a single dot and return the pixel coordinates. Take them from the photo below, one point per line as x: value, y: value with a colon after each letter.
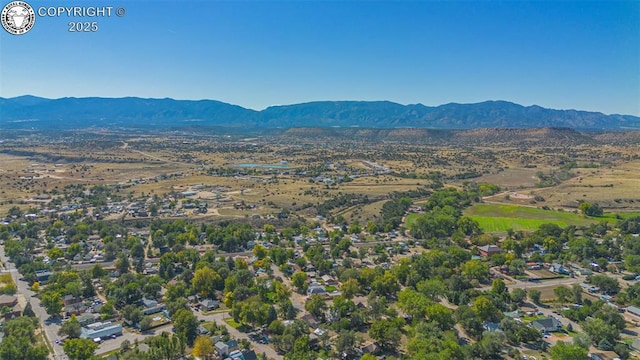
x: 203, y: 347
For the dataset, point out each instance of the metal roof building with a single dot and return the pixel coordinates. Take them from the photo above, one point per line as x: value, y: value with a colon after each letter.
x: 101, y: 330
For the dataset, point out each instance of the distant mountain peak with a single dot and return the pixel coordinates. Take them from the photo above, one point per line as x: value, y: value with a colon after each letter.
x: 134, y: 112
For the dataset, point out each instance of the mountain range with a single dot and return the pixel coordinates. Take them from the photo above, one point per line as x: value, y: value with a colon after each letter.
x: 30, y: 112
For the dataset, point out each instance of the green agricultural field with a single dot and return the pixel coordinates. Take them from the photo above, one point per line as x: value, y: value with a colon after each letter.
x: 495, y: 218
x: 621, y: 215
x: 498, y: 217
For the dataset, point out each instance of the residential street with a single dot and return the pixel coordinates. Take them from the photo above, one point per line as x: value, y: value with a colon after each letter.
x: 297, y: 300
x: 235, y: 333
x: 50, y: 328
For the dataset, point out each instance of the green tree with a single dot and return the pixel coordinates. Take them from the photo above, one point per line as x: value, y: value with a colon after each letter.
x: 299, y: 280
x: 605, y: 283
x: 611, y: 316
x: 490, y: 345
x: 562, y: 351
x: 354, y: 228
x: 281, y: 290
x: 413, y: 303
x: 486, y: 309
x: 132, y: 313
x: 590, y: 209
x: 350, y: 288
x: 52, y: 302
x: 432, y: 288
x: 251, y: 311
x: 498, y: 287
x: 600, y: 330
x: 475, y: 269
x: 517, y: 266
x: 562, y: 293
x: 186, y: 325
x: 260, y: 251
x: 55, y: 253
x: 145, y: 323
x: 79, y: 349
x: 97, y: 271
x: 387, y: 332
x: 386, y: 285
x: 122, y: 264
x: 108, y: 309
x: 632, y: 263
x: 71, y: 328
x: 272, y: 315
x: 534, y: 295
x: 205, y: 280
x: 518, y: 295
x: 622, y: 350
x: 576, y: 289
x: 315, y: 305
x: 582, y: 340
x: 468, y: 319
x: 345, y: 342
x: 442, y: 315
x: 19, y: 341
x: 15, y: 211
x: 372, y: 228
x: 74, y: 288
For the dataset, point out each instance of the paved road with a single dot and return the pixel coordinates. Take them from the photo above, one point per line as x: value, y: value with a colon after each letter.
x: 297, y: 300
x: 235, y: 333
x: 50, y: 328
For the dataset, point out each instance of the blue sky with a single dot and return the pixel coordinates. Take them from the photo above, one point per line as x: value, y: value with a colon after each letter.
x: 563, y: 55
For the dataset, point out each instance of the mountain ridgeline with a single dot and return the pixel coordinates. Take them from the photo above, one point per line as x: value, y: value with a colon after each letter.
x: 29, y: 112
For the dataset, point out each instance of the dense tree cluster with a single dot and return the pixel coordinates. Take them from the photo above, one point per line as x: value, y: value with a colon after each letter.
x: 590, y: 209
x: 20, y: 342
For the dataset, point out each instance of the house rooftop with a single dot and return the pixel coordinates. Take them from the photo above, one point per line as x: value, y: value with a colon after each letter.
x: 547, y: 324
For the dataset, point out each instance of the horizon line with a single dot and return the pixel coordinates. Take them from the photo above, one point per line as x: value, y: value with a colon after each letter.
x: 311, y: 102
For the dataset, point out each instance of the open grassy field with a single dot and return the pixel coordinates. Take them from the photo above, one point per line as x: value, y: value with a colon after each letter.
x: 500, y: 217
x: 363, y: 212
x: 612, y: 187
x: 512, y: 178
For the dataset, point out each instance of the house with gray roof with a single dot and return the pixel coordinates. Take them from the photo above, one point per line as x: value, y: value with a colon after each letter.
x: 549, y: 324
x: 209, y: 304
x: 315, y: 288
